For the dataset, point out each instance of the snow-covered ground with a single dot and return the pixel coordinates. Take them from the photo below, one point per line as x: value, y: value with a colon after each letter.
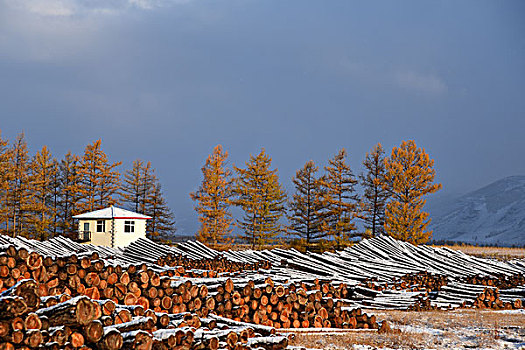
x: 460, y: 329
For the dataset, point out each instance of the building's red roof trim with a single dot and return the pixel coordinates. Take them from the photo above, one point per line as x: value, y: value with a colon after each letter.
x: 131, y: 218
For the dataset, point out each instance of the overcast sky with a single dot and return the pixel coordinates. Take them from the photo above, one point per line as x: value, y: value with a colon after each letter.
x: 167, y: 80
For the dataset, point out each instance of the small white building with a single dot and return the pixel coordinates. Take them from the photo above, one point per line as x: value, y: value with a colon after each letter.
x: 111, y: 227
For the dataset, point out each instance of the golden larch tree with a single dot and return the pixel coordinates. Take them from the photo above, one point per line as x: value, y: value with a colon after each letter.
x: 375, y: 195
x: 42, y: 171
x: 213, y: 199
x: 339, y: 201
x: 306, y: 205
x: 409, y: 177
x: 99, y: 181
x: 20, y: 194
x: 137, y: 186
x: 55, y: 199
x: 70, y: 195
x: 161, y: 226
x: 260, y: 195
x: 5, y: 177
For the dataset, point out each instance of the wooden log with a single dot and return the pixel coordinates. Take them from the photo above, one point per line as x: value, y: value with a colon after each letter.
x: 137, y: 323
x: 77, y: 311
x: 28, y: 290
x: 32, y: 321
x: 33, y: 338
x: 12, y: 306
x: 93, y: 331
x: 112, y: 340
x: 139, y: 340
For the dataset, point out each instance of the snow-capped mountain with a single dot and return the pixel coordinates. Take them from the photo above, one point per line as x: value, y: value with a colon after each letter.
x: 494, y: 214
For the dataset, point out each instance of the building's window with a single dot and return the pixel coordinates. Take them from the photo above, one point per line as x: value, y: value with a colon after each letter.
x: 129, y: 226
x: 86, y: 226
x: 101, y: 225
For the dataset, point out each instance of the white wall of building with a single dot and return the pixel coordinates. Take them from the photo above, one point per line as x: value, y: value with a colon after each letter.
x: 121, y: 238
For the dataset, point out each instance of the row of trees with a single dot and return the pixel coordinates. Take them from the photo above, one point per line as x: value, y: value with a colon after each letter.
x: 323, y: 207
x: 39, y: 194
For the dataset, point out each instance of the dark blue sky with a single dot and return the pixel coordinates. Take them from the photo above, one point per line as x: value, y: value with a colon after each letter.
x: 167, y: 80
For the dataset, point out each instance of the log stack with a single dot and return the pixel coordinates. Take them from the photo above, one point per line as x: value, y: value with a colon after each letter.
x: 286, y: 306
x: 413, y: 282
x: 218, y: 264
x: 490, y: 298
x: 280, y: 306
x: 500, y: 281
x: 67, y: 322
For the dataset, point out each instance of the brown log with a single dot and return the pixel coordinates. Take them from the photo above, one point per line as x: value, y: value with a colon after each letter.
x: 34, y: 261
x: 76, y: 339
x: 138, y: 340
x: 123, y: 316
x: 7, y: 346
x: 12, y: 306
x: 4, y: 328
x: 93, y: 331
x: 77, y: 311
x: 28, y: 290
x: 32, y: 321
x: 17, y: 336
x: 112, y: 340
x: 138, y: 323
x: 108, y: 307
x: 33, y: 338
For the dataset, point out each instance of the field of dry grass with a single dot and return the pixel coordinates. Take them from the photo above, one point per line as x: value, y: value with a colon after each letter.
x: 460, y: 329
x: 502, y: 253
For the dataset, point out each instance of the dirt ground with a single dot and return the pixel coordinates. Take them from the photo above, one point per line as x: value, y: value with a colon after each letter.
x: 459, y: 329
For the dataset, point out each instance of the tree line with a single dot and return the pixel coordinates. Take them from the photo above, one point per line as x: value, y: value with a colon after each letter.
x: 39, y: 195
x: 324, y: 208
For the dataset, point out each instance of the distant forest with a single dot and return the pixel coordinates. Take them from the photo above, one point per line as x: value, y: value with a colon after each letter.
x: 40, y: 194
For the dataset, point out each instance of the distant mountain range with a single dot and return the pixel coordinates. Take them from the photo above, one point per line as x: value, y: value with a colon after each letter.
x: 494, y: 214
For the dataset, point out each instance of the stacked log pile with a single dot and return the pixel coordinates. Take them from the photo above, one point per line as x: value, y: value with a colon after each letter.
x: 287, y: 306
x: 67, y: 322
x: 390, y: 268
x: 500, y: 281
x: 414, y: 282
x: 470, y: 296
x: 274, y: 305
x: 218, y: 263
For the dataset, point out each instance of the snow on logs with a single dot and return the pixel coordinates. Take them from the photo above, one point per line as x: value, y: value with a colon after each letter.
x: 72, y: 301
x: 378, y: 273
x: 83, y: 323
x: 218, y: 264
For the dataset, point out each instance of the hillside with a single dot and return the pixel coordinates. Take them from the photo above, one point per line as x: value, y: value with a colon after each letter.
x: 494, y: 214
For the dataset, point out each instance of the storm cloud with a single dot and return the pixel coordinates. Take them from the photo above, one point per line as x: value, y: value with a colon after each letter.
x: 166, y: 80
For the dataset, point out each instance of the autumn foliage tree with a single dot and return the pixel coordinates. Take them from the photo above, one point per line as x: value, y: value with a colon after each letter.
x: 375, y: 194
x: 54, y: 202
x: 306, y: 206
x: 339, y: 200
x: 39, y: 195
x: 161, y: 226
x: 409, y: 177
x: 43, y: 169
x: 138, y: 185
x: 260, y: 195
x: 69, y: 178
x: 99, y: 180
x: 213, y: 199
x: 20, y: 196
x: 5, y: 175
